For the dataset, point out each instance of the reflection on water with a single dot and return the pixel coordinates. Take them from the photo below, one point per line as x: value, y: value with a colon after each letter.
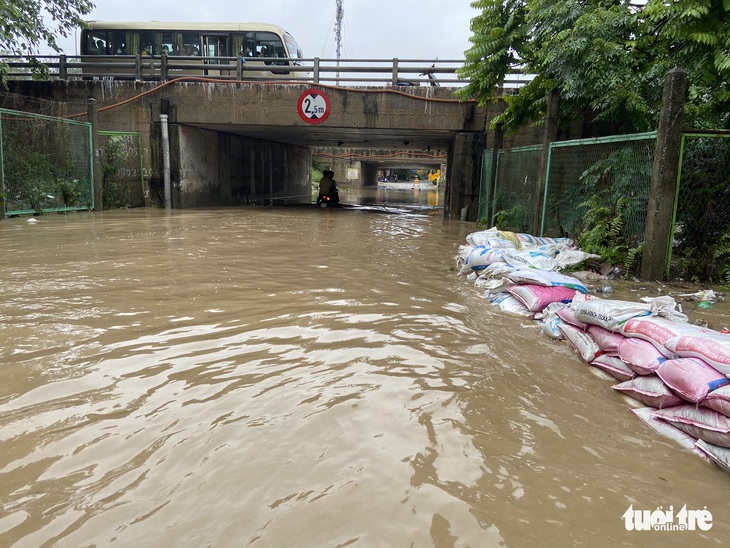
x: 302, y: 377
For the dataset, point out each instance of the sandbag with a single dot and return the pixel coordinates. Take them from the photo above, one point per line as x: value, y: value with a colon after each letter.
x: 607, y: 340
x: 658, y: 330
x: 714, y: 348
x: 572, y: 257
x: 528, y: 239
x: 530, y: 259
x: 640, y: 355
x: 568, y: 315
x: 537, y: 297
x: 719, y: 400
x: 581, y: 342
x: 480, y: 257
x: 509, y: 303
x: 646, y: 415
x: 612, y: 314
x: 718, y: 455
x: 492, y: 238
x: 545, y: 278
x: 691, y: 378
x: 700, y: 422
x: 649, y: 390
x: 614, y: 366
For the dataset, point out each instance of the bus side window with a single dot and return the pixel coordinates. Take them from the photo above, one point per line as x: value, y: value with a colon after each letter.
x: 117, y: 43
x: 146, y: 39
x: 96, y: 43
x: 167, y: 44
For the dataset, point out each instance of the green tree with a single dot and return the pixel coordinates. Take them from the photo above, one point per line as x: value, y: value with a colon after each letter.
x: 27, y: 24
x: 609, y: 56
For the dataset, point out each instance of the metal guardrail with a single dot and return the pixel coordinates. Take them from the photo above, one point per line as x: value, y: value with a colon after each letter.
x: 374, y: 72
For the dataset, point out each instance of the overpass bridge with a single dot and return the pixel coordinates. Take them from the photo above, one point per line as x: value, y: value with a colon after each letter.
x: 234, y: 141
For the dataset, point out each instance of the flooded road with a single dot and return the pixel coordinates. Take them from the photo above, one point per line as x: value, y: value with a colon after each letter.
x: 276, y: 376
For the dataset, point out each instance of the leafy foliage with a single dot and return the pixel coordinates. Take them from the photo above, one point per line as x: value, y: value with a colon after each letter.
x: 610, y: 211
x: 703, y: 210
x: 26, y: 24
x: 115, y: 194
x: 721, y: 255
x: 609, y: 56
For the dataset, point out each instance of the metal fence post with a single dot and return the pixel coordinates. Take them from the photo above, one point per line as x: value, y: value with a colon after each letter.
x: 498, y: 140
x: 166, y: 162
x: 551, y: 133
x: 138, y: 67
x: 96, y: 160
x: 2, y: 171
x: 62, y: 66
x: 659, y: 229
x: 163, y: 68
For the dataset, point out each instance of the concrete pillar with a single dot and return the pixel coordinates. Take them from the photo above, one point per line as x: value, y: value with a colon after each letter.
x: 549, y: 136
x: 660, y: 209
x: 368, y: 175
x: 98, y: 173
x: 462, y: 185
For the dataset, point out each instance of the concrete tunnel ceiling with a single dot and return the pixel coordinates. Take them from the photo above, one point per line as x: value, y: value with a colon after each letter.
x: 337, y: 137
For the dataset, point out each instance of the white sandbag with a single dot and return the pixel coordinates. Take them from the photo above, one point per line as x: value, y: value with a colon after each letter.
x: 612, y: 314
x: 699, y: 422
x: 537, y: 297
x: 646, y: 415
x: 462, y: 255
x: 546, y: 278
x: 507, y: 302
x: 480, y: 257
x: 691, y: 378
x: 530, y: 259
x: 482, y: 236
x: 719, y: 400
x: 581, y: 342
x: 607, y: 340
x: 614, y: 366
x: 713, y: 347
x: 528, y: 239
x: 649, y: 390
x: 718, y: 455
x: 641, y: 356
x: 497, y: 270
x: 493, y: 277
x: 573, y: 257
x: 549, y: 321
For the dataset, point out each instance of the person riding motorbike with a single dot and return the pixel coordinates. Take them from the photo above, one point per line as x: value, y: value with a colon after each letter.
x: 328, y: 189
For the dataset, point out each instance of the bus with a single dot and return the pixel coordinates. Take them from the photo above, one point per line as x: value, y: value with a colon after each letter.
x: 191, y: 49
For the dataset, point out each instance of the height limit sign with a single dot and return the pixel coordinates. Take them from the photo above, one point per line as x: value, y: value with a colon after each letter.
x: 314, y: 106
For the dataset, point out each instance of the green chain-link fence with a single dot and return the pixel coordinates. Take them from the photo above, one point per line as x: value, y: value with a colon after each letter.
x: 605, y: 183
x: 701, y: 246
x: 120, y: 154
x: 46, y: 163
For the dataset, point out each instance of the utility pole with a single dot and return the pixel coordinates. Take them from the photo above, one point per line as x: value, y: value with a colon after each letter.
x: 339, y: 13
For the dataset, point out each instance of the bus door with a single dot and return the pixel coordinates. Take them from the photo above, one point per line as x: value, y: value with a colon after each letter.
x: 215, y: 46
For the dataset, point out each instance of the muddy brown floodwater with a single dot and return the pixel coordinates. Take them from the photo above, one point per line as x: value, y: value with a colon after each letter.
x: 282, y: 376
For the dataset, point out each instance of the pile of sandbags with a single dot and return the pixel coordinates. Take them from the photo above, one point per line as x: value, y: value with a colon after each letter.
x: 677, y: 370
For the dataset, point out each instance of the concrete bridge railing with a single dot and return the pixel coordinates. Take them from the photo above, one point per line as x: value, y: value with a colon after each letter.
x: 353, y: 72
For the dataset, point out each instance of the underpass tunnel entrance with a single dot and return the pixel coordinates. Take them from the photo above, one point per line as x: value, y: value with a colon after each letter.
x: 407, y: 183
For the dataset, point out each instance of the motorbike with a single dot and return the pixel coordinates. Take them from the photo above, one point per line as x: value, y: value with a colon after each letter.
x: 329, y: 200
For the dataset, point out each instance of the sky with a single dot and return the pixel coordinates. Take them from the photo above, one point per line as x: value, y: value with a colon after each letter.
x: 371, y: 29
